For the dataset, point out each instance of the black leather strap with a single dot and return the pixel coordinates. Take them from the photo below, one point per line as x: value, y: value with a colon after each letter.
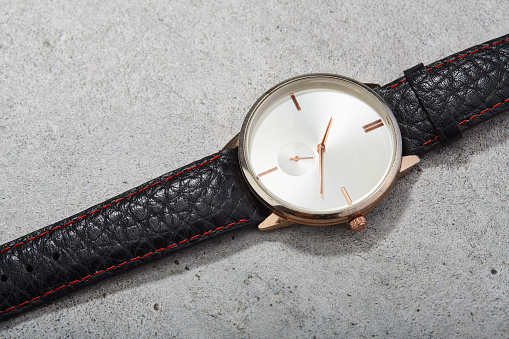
x: 444, y: 123
x: 178, y: 209
x: 434, y: 104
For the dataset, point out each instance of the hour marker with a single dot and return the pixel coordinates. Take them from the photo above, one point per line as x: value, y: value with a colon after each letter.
x: 295, y: 101
x: 347, y: 197
x: 374, y: 125
x: 267, y: 172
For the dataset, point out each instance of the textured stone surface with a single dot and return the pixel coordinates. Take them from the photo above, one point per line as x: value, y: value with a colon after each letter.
x: 98, y: 97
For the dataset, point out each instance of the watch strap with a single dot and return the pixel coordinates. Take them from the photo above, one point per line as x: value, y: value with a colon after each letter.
x: 204, y: 199
x: 434, y: 104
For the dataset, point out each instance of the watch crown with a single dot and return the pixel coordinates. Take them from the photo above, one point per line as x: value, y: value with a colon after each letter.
x: 358, y: 224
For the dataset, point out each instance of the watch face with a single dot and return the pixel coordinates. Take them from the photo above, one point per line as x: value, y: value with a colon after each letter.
x: 320, y: 147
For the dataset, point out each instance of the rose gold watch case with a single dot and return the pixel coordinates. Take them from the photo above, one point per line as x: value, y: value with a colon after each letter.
x: 301, y: 217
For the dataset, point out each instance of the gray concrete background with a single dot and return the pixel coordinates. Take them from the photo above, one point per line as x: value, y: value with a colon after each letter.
x: 97, y: 97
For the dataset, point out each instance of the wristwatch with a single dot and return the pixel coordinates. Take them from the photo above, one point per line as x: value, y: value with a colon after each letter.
x: 316, y: 149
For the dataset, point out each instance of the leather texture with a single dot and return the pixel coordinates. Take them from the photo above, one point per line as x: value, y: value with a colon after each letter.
x: 434, y: 104
x: 446, y: 127
x: 178, y: 209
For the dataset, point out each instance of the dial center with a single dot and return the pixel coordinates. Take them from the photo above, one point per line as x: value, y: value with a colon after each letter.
x: 296, y: 158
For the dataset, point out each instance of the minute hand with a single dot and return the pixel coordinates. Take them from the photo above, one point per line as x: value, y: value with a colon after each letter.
x: 321, y: 148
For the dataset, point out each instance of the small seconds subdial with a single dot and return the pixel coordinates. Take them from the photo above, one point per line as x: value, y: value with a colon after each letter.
x: 319, y: 144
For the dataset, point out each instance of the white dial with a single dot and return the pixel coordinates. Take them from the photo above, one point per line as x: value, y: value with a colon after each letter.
x: 320, y: 144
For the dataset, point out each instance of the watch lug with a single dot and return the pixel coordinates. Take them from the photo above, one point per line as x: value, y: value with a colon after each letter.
x: 372, y: 86
x: 407, y: 163
x: 273, y: 222
x: 233, y: 143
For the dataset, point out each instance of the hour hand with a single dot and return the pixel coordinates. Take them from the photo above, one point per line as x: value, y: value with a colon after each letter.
x: 324, y: 139
x: 321, y: 148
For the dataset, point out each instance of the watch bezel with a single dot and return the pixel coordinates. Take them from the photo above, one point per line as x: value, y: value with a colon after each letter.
x: 319, y: 218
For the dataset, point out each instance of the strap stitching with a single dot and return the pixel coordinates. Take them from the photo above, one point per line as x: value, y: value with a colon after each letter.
x: 473, y: 116
x: 455, y: 58
x: 110, y: 204
x: 125, y: 262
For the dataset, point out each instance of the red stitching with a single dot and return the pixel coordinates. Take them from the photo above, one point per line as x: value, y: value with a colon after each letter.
x: 455, y: 58
x: 118, y: 265
x: 116, y: 201
x: 473, y: 116
x: 396, y: 84
x: 430, y: 140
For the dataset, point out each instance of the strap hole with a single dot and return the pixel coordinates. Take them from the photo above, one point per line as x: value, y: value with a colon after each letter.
x: 3, y: 278
x: 56, y: 256
x: 29, y: 268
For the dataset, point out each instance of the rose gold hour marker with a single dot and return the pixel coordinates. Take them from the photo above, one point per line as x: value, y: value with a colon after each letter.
x: 297, y: 158
x: 374, y: 125
x: 347, y: 197
x: 267, y: 172
x: 295, y: 101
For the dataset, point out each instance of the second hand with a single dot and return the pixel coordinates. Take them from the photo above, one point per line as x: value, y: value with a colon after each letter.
x: 297, y: 158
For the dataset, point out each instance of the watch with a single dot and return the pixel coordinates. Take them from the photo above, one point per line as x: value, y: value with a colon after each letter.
x: 316, y: 149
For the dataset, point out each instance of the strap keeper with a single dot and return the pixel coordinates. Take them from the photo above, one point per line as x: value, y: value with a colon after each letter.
x: 444, y: 123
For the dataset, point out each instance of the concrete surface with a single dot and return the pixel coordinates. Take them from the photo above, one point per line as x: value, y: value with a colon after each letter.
x: 97, y: 97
